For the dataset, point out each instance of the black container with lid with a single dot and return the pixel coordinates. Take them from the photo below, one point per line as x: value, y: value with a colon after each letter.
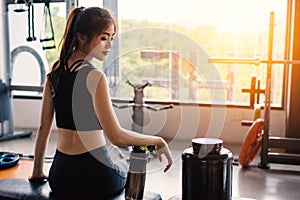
x: 206, y: 170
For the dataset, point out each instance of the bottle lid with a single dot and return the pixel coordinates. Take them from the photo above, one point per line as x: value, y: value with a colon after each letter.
x: 206, y: 145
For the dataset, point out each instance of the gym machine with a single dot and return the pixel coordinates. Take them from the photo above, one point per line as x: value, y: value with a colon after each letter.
x: 268, y: 143
x: 44, y: 39
x: 138, y: 105
x: 7, y: 131
x: 138, y: 156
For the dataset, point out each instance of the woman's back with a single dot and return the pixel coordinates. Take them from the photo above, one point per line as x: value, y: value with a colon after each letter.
x: 72, y: 101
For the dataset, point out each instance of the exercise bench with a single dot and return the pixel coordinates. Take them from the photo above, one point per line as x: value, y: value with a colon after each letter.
x: 14, y: 185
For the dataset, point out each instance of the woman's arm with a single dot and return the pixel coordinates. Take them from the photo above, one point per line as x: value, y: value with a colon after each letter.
x: 43, y: 133
x: 97, y: 84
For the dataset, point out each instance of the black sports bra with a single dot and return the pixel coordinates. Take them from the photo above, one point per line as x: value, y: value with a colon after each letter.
x: 73, y: 103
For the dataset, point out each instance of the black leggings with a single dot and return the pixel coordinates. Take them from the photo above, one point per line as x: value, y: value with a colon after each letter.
x: 90, y: 175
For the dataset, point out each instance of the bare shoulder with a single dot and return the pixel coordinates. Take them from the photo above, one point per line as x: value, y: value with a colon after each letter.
x: 96, y: 74
x: 94, y: 79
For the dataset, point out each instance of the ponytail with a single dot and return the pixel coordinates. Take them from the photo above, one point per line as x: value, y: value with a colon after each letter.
x: 69, y: 41
x: 67, y: 44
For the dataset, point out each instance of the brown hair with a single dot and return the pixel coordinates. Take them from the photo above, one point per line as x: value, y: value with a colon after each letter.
x: 90, y: 22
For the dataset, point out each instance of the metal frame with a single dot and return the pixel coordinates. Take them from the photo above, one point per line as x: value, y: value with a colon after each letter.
x: 138, y: 156
x: 267, y: 154
x: 254, y: 61
x: 33, y: 1
x: 7, y: 131
x: 268, y: 142
x: 138, y: 106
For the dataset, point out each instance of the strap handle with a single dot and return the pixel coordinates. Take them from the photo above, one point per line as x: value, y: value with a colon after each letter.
x: 45, y: 41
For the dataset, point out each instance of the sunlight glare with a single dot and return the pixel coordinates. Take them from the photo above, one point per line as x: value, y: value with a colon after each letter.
x: 233, y: 16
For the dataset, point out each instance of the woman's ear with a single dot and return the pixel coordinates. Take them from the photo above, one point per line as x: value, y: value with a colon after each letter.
x: 81, y: 38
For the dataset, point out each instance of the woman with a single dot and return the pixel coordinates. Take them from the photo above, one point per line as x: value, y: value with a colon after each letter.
x: 78, y: 95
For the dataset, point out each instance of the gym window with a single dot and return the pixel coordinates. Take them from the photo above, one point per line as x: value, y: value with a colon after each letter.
x: 192, y: 51
x: 208, y: 43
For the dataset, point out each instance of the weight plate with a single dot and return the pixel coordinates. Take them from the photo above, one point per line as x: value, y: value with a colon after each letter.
x: 8, y: 160
x: 252, y: 143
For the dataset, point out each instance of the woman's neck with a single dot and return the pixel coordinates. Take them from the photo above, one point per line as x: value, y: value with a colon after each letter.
x: 79, y: 55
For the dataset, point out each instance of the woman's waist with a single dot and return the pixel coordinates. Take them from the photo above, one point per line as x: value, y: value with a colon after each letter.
x: 77, y: 142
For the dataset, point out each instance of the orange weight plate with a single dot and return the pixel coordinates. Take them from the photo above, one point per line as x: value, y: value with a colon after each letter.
x: 251, y: 143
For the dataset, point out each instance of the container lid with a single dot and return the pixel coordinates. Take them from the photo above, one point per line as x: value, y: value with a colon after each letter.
x: 206, y: 145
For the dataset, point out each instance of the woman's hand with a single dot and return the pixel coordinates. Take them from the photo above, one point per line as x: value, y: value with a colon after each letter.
x: 37, y: 177
x: 161, y: 149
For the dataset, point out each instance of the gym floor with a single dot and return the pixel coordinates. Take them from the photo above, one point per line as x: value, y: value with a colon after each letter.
x: 280, y: 182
